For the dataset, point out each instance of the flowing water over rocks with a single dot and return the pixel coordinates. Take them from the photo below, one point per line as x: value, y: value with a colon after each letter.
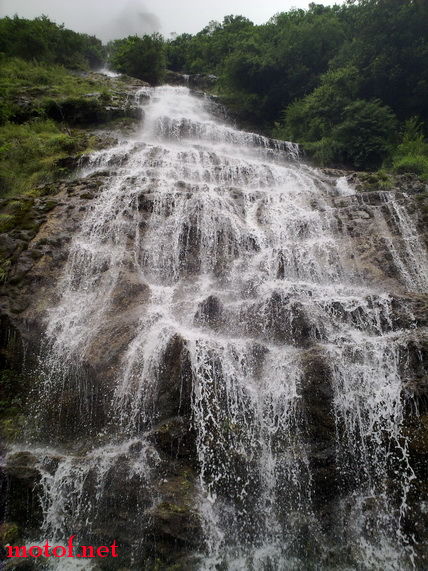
x: 231, y: 360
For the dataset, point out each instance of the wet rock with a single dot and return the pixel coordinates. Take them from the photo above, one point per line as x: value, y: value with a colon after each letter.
x: 175, y: 521
x: 128, y: 292
x: 174, y: 381
x: 286, y: 320
x: 22, y: 479
x: 196, y: 81
x: 317, y: 395
x: 21, y: 565
x: 210, y: 312
x: 175, y: 437
x: 22, y: 465
x: 317, y: 408
x: 202, y: 81
x: 414, y: 366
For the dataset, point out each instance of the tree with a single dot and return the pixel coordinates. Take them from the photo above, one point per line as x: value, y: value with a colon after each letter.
x: 44, y: 41
x: 139, y: 57
x: 365, y: 136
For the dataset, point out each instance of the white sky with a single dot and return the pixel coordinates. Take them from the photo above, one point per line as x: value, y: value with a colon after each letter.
x: 117, y: 18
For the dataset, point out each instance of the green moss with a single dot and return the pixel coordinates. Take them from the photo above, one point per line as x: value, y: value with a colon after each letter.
x: 168, y: 508
x: 6, y: 222
x: 9, y: 533
x: 19, y: 214
x: 4, y: 269
x: 11, y: 427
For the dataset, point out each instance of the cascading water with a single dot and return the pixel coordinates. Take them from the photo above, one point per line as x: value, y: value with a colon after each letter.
x: 219, y: 270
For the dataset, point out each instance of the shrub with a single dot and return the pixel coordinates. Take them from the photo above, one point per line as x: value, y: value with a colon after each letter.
x: 411, y: 155
x: 365, y: 136
x: 416, y: 165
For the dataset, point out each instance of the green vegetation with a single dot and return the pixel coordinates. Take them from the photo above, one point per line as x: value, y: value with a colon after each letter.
x: 411, y: 155
x: 43, y: 111
x: 30, y: 154
x: 44, y: 41
x: 339, y: 80
x: 143, y: 58
x: 31, y: 143
x: 27, y: 89
x: 47, y: 96
x: 9, y: 533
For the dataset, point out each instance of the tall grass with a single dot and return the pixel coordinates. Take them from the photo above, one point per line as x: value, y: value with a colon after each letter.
x: 29, y: 154
x: 411, y: 155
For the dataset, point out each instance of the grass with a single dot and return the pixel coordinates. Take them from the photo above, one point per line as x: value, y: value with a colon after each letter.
x: 29, y: 154
x: 39, y: 104
x: 26, y: 87
x: 31, y: 144
x: 411, y: 155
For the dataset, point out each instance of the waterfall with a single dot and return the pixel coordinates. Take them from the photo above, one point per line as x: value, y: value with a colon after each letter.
x: 217, y: 283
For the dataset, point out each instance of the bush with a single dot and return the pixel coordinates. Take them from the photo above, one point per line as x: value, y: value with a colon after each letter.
x: 76, y: 110
x: 411, y: 155
x: 334, y: 130
x: 416, y: 165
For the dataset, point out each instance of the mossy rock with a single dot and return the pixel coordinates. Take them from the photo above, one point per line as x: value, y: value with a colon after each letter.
x: 47, y: 205
x: 76, y: 110
x: 9, y: 533
x: 7, y: 222
x: 166, y: 508
x: 379, y: 180
x: 11, y: 426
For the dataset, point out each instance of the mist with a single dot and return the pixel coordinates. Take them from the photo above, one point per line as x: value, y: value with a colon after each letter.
x: 111, y: 19
x: 133, y: 19
x: 105, y: 19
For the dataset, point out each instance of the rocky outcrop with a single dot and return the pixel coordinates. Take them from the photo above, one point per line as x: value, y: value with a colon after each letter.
x: 199, y: 81
x: 400, y: 184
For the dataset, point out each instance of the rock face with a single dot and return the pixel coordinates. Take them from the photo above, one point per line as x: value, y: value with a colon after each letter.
x: 225, y: 352
x: 198, y: 81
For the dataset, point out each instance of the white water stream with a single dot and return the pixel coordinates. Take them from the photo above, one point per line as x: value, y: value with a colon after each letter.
x: 239, y: 253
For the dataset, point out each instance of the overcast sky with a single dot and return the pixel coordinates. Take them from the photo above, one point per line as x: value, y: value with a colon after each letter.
x: 118, y: 18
